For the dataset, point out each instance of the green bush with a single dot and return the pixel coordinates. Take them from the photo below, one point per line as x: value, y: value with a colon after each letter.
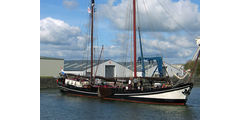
x: 190, y: 64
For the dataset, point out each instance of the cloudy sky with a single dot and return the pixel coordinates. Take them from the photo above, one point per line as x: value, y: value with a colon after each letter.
x: 168, y: 28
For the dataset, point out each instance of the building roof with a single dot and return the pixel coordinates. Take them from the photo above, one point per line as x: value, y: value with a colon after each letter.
x: 50, y: 58
x: 130, y: 65
x: 81, y: 65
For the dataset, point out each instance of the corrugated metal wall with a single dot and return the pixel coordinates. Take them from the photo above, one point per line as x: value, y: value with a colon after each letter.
x: 119, y: 70
x: 50, y: 67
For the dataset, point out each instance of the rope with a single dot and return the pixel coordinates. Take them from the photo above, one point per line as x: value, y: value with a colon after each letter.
x: 179, y: 77
x: 146, y: 9
x: 171, y: 16
x: 126, y: 46
x: 187, y: 73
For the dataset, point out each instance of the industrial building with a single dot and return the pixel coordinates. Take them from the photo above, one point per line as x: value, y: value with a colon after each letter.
x: 50, y: 66
x: 105, y: 68
x: 110, y: 68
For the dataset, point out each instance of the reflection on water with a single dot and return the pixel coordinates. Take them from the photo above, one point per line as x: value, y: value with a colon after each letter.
x: 55, y: 105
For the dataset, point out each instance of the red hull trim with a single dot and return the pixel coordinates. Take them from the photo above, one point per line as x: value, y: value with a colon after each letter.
x: 124, y: 100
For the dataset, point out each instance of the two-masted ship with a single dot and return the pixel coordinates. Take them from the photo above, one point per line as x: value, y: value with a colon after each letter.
x: 131, y: 89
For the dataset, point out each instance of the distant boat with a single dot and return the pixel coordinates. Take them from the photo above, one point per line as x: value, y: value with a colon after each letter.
x: 151, y: 90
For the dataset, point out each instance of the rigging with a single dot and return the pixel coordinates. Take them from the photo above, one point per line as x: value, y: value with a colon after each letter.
x: 172, y: 17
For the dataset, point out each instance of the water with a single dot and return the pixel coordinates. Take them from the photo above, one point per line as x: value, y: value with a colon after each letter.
x: 58, y: 106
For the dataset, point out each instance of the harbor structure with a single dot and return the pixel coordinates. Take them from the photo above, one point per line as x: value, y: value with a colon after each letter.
x: 50, y: 67
x: 104, y: 68
x: 111, y: 68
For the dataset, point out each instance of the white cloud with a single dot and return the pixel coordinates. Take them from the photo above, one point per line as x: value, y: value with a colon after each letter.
x: 60, y: 38
x: 184, y: 42
x: 170, y: 46
x: 155, y: 15
x: 57, y: 32
x: 184, y: 53
x: 71, y: 4
x: 174, y: 48
x: 162, y: 23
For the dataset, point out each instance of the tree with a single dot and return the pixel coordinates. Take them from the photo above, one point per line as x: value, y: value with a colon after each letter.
x: 190, y: 64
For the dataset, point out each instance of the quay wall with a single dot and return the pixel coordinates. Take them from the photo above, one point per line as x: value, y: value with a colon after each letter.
x: 48, y: 82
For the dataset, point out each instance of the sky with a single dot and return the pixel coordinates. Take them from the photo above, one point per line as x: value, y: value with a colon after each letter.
x: 168, y: 29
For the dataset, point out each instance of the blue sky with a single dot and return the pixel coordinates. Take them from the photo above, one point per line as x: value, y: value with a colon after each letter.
x: 168, y: 28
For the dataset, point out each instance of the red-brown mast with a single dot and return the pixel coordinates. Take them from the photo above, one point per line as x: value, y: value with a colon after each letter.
x: 134, y: 38
x: 92, y: 12
x: 194, y: 66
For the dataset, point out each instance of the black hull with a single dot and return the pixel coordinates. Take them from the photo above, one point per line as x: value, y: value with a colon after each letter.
x: 136, y: 97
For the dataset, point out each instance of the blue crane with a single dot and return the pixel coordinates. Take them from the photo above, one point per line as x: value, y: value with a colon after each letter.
x: 150, y: 59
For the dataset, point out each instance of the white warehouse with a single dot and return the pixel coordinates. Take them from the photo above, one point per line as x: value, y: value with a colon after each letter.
x: 110, y: 68
x: 105, y: 68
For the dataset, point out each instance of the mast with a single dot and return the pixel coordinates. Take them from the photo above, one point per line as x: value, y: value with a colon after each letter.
x: 142, y: 59
x: 194, y: 67
x: 92, y: 12
x: 99, y: 61
x: 134, y: 38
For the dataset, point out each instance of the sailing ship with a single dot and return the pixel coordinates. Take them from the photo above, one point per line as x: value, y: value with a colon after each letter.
x: 151, y: 90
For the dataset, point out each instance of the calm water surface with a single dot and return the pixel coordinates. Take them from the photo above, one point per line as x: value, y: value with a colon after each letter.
x: 57, y: 106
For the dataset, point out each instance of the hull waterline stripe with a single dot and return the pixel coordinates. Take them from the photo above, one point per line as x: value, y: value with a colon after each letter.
x: 82, y: 95
x: 124, y: 100
x: 78, y: 91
